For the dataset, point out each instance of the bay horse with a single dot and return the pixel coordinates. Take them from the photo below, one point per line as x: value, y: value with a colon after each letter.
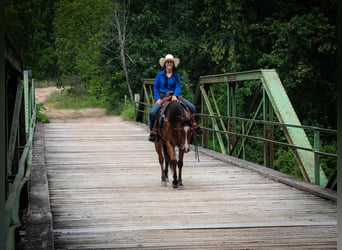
x: 174, y: 131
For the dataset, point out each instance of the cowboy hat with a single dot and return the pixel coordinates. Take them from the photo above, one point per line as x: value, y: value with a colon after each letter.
x: 169, y: 57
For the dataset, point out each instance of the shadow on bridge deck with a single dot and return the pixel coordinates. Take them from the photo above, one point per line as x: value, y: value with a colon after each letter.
x: 104, y: 191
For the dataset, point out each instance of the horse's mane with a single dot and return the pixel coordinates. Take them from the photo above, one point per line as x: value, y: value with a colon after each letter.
x: 177, y: 112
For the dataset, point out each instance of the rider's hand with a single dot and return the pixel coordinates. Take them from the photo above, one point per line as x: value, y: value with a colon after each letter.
x: 159, y: 101
x: 174, y: 98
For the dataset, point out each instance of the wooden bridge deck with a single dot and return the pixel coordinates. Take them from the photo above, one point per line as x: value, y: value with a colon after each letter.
x: 105, y: 192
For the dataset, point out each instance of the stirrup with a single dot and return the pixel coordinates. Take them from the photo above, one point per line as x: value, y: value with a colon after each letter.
x: 197, y: 128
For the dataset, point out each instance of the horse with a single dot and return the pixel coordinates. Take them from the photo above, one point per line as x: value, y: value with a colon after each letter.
x: 175, y: 130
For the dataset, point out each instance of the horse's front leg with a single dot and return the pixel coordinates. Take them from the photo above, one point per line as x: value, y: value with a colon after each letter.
x: 166, y: 166
x: 173, y: 163
x: 159, y: 149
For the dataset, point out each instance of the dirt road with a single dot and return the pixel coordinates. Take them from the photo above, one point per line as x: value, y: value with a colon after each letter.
x: 71, y: 115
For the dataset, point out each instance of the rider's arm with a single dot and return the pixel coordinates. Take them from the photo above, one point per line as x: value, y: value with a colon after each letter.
x: 156, y: 86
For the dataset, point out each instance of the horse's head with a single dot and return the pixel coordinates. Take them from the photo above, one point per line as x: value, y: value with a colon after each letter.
x: 186, y: 138
x: 181, y: 125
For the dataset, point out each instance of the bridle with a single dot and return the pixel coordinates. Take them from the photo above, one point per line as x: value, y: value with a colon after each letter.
x: 186, y: 126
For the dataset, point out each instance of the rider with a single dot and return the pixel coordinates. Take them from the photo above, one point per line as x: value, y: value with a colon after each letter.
x: 168, y: 83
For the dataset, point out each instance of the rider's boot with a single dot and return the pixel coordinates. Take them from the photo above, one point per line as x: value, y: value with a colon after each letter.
x: 195, y: 125
x: 153, y: 137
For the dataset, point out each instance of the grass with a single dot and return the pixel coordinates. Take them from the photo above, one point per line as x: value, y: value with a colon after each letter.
x: 128, y: 112
x: 69, y: 100
x: 65, y: 100
x: 41, y: 117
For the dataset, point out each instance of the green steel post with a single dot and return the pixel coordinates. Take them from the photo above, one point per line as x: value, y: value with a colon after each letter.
x: 317, y: 157
x: 2, y: 128
x: 233, y: 113
x: 243, y: 141
x: 26, y: 101
x: 33, y: 99
x: 229, y: 115
x: 271, y: 131
x: 264, y: 118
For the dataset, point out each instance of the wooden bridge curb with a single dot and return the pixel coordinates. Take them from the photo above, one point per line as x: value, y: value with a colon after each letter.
x: 274, y: 175
x: 39, y: 222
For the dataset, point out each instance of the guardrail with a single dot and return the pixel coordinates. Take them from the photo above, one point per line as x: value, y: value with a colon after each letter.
x: 210, y: 141
x: 18, y: 171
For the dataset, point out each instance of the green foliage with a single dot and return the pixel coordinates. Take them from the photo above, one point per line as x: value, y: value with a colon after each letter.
x: 29, y: 24
x: 128, y: 112
x: 40, y: 116
x: 329, y: 164
x: 285, y: 162
x: 224, y: 37
x: 78, y: 27
x: 76, y: 42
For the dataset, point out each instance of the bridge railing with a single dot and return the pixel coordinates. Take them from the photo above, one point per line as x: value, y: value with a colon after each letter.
x: 146, y: 101
x: 19, y: 158
x: 244, y: 140
x: 259, y: 95
x: 227, y: 133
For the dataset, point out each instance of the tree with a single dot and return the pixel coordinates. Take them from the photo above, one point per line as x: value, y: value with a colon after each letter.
x: 302, y: 48
x: 79, y: 27
x: 119, y: 21
x: 225, y: 37
x: 29, y: 23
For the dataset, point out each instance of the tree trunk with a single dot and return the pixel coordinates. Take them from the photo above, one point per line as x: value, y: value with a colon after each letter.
x: 120, y: 24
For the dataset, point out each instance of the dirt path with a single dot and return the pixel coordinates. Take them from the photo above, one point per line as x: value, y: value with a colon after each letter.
x: 71, y: 115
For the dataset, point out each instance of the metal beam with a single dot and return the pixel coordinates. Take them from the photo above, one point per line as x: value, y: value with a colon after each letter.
x: 286, y: 114
x: 2, y: 128
x: 284, y: 111
x: 14, y: 128
x: 231, y: 77
x: 211, y: 112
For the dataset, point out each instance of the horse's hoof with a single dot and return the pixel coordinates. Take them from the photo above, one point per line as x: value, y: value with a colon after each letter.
x: 175, y: 184
x: 181, y: 187
x: 163, y: 183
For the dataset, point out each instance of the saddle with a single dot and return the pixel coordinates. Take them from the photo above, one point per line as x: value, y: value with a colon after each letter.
x: 164, y: 108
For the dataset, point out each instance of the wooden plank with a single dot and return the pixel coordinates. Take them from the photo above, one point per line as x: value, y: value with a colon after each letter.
x: 105, y: 192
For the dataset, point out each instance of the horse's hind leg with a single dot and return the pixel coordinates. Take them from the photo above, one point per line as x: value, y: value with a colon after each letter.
x: 180, y: 167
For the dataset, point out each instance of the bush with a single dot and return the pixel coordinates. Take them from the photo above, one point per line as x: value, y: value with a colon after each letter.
x: 128, y: 112
x: 41, y: 117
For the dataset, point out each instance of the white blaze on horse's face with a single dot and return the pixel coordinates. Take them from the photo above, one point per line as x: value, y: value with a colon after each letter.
x: 186, y: 146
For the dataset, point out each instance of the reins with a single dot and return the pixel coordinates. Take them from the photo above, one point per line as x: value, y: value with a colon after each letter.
x: 185, y: 119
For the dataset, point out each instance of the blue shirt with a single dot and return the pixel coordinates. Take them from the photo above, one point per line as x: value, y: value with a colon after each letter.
x: 173, y: 84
